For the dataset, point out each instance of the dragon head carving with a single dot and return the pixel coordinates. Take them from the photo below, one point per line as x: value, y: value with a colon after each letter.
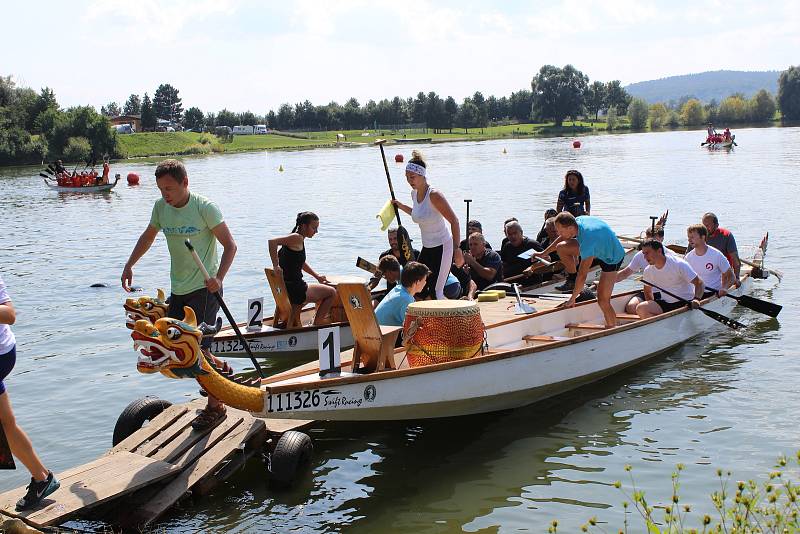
x: 169, y: 346
x: 149, y: 308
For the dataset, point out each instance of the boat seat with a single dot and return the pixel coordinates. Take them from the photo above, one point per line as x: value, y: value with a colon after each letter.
x: 585, y: 326
x: 373, y: 348
x: 627, y: 317
x: 545, y: 338
x: 287, y: 315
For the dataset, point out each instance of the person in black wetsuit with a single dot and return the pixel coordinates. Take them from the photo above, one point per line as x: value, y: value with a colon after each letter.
x: 290, y: 262
x: 394, y: 247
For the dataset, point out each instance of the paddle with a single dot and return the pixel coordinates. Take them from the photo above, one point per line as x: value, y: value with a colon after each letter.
x: 45, y: 176
x: 755, y: 304
x: 361, y: 263
x: 403, y: 240
x: 225, y: 309
x: 467, y: 201
x: 727, y: 321
x: 48, y: 171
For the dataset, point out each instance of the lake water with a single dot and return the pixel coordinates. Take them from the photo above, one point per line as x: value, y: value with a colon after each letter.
x: 722, y: 400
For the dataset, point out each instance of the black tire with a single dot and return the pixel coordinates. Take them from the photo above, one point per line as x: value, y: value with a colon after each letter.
x: 291, y: 456
x: 135, y: 415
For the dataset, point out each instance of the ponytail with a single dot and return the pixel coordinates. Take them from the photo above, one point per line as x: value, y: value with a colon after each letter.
x: 304, y: 217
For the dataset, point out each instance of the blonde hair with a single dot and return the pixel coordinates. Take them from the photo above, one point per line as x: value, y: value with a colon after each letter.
x: 418, y: 158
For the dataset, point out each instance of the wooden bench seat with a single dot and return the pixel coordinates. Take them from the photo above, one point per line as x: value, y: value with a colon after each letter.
x: 627, y: 317
x: 550, y: 339
x: 585, y: 326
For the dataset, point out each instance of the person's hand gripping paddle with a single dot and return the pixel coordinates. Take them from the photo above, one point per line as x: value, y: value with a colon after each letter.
x: 403, y: 240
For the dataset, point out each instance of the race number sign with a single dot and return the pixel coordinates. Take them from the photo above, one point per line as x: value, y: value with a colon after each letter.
x: 255, y: 314
x: 329, y: 346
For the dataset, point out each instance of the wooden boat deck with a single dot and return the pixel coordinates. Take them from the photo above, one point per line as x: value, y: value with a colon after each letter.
x: 154, y: 467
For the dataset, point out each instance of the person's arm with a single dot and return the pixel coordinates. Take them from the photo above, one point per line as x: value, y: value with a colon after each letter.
x: 142, y: 245
x: 624, y: 273
x: 648, y: 292
x: 588, y: 205
x: 727, y: 282
x: 560, y: 202
x: 8, y: 315
x: 402, y: 207
x: 487, y: 273
x: 291, y: 240
x: 736, y: 264
x: 546, y: 252
x: 443, y: 207
x: 320, y: 278
x: 223, y: 235
x: 699, y: 289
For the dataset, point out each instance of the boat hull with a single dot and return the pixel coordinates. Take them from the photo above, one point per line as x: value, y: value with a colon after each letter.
x: 491, y: 383
x: 87, y: 189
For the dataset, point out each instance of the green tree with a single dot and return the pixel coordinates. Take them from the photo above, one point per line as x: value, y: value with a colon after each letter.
x: 611, y: 118
x: 77, y: 149
x: 789, y: 93
x: 7, y: 87
x: 558, y: 93
x: 193, y: 118
x: 673, y: 119
x: 167, y: 104
x: 596, y: 98
x: 148, y: 115
x: 483, y: 113
x: 352, y: 115
x: 637, y: 114
x: 272, y: 119
x: 451, y: 112
x: 617, y: 97
x: 761, y: 107
x: 81, y: 121
x: 133, y: 106
x: 285, y: 117
x: 418, y: 108
x: 659, y: 114
x: 110, y: 110
x: 732, y: 109
x: 692, y: 113
x: 520, y: 105
x: 468, y: 115
x: 229, y: 118
x: 248, y: 118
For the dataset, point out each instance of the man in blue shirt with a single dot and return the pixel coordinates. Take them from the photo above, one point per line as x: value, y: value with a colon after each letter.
x: 593, y: 241
x: 392, y: 309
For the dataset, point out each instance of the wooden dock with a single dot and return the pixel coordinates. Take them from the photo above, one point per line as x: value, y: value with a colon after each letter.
x: 153, y: 468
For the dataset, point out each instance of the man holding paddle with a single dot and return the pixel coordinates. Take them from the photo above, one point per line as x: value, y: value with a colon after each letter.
x: 671, y: 274
x: 181, y: 214
x: 710, y: 264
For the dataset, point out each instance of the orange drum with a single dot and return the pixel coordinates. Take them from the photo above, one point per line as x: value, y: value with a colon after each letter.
x: 439, y: 331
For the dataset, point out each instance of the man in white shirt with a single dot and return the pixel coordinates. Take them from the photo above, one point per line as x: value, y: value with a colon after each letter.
x: 709, y: 263
x: 669, y: 273
x: 638, y: 264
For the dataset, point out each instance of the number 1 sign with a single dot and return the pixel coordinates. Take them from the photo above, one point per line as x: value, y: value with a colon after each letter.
x: 329, y: 345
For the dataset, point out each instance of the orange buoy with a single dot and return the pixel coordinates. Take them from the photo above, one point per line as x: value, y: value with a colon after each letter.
x: 398, y: 158
x: 576, y: 144
x: 133, y: 178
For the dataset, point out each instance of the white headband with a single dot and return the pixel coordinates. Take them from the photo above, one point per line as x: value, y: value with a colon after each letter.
x: 416, y: 169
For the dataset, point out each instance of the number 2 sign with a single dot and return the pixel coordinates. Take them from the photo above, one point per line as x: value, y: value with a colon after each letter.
x: 255, y: 314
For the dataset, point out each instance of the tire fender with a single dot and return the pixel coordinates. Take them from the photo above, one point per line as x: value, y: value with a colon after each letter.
x: 134, y: 416
x: 291, y: 456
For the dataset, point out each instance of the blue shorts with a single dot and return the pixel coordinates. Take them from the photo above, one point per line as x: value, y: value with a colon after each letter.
x: 7, y: 362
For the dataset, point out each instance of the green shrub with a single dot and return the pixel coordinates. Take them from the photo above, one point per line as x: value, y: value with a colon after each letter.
x: 204, y: 140
x: 77, y: 149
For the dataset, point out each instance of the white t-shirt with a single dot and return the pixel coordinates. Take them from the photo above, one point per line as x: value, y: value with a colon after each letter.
x: 7, y: 340
x: 639, y: 264
x: 710, y: 266
x: 676, y: 277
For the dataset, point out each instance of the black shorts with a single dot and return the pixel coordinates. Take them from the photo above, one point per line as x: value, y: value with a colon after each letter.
x: 607, y: 267
x: 296, y: 291
x: 7, y: 362
x: 669, y: 306
x: 204, y: 305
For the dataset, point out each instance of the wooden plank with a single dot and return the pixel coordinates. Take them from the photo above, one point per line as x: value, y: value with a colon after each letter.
x: 221, y: 449
x: 585, y: 326
x: 545, y: 338
x: 170, y: 433
x: 192, y: 443
x: 627, y: 317
x: 159, y: 423
x: 90, y: 485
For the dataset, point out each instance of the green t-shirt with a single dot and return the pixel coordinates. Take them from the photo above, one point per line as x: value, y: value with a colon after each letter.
x: 193, y: 221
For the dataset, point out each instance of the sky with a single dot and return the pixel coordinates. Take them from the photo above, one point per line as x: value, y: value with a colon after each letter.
x: 255, y: 55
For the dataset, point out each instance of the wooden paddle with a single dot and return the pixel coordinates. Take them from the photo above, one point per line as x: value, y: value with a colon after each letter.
x: 403, y: 240
x: 361, y: 263
x: 727, y: 321
x: 761, y: 306
x: 225, y: 309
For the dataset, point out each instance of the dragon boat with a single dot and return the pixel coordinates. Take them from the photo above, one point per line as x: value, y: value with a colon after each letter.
x: 729, y: 143
x: 84, y: 189
x: 519, y: 359
x: 300, y: 340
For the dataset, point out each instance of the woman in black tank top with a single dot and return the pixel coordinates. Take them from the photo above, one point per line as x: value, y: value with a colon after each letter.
x: 290, y: 262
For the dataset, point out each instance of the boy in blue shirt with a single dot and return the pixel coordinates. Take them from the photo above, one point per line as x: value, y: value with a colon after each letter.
x: 392, y: 309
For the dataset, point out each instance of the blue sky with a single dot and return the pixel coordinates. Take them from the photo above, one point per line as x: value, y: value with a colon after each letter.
x: 249, y: 54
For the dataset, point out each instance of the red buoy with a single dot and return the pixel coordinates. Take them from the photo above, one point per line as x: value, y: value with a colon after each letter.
x: 576, y: 144
x: 398, y: 158
x: 133, y: 178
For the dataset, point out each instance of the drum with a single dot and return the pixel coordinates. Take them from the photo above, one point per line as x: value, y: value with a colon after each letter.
x: 437, y: 331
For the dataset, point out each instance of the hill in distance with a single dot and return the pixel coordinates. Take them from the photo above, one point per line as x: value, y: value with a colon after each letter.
x: 706, y: 86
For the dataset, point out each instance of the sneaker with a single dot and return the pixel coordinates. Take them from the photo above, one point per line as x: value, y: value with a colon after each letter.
x: 569, y: 285
x: 209, y: 417
x: 38, y: 491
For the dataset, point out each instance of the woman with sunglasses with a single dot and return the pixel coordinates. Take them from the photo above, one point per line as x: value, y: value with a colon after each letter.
x: 574, y: 198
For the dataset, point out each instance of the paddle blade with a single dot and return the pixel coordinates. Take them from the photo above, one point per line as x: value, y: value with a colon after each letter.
x: 404, y: 242
x: 727, y: 321
x: 761, y: 306
x: 361, y: 263
x: 43, y: 175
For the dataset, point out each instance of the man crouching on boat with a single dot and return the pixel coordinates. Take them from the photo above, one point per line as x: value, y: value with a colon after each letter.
x: 672, y: 274
x: 591, y: 239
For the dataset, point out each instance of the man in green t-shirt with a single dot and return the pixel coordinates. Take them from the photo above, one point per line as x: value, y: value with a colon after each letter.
x: 181, y: 214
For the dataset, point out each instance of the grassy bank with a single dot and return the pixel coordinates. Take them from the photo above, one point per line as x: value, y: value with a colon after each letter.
x: 185, y: 143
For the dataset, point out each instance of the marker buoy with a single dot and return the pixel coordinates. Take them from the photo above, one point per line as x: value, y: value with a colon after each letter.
x: 504, y: 151
x: 576, y: 144
x: 280, y: 168
x: 133, y: 178
x: 398, y: 158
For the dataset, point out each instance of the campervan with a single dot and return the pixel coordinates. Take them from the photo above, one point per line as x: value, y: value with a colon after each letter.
x: 261, y: 129
x: 242, y: 130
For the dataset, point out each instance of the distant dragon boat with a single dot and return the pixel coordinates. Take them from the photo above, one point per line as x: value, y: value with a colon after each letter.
x: 84, y: 189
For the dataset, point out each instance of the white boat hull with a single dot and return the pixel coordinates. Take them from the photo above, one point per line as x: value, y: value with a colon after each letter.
x: 492, y: 383
x: 85, y: 189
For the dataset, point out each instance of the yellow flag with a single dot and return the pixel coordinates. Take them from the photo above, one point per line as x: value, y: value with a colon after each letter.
x: 386, y: 215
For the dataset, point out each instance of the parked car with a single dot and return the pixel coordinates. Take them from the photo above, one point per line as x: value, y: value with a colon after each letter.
x: 124, y: 129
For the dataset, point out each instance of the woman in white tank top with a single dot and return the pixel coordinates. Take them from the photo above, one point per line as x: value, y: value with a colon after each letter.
x: 438, y: 225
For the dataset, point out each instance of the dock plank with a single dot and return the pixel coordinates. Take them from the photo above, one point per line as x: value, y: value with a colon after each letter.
x: 90, y: 485
x: 182, y: 425
x: 156, y: 426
